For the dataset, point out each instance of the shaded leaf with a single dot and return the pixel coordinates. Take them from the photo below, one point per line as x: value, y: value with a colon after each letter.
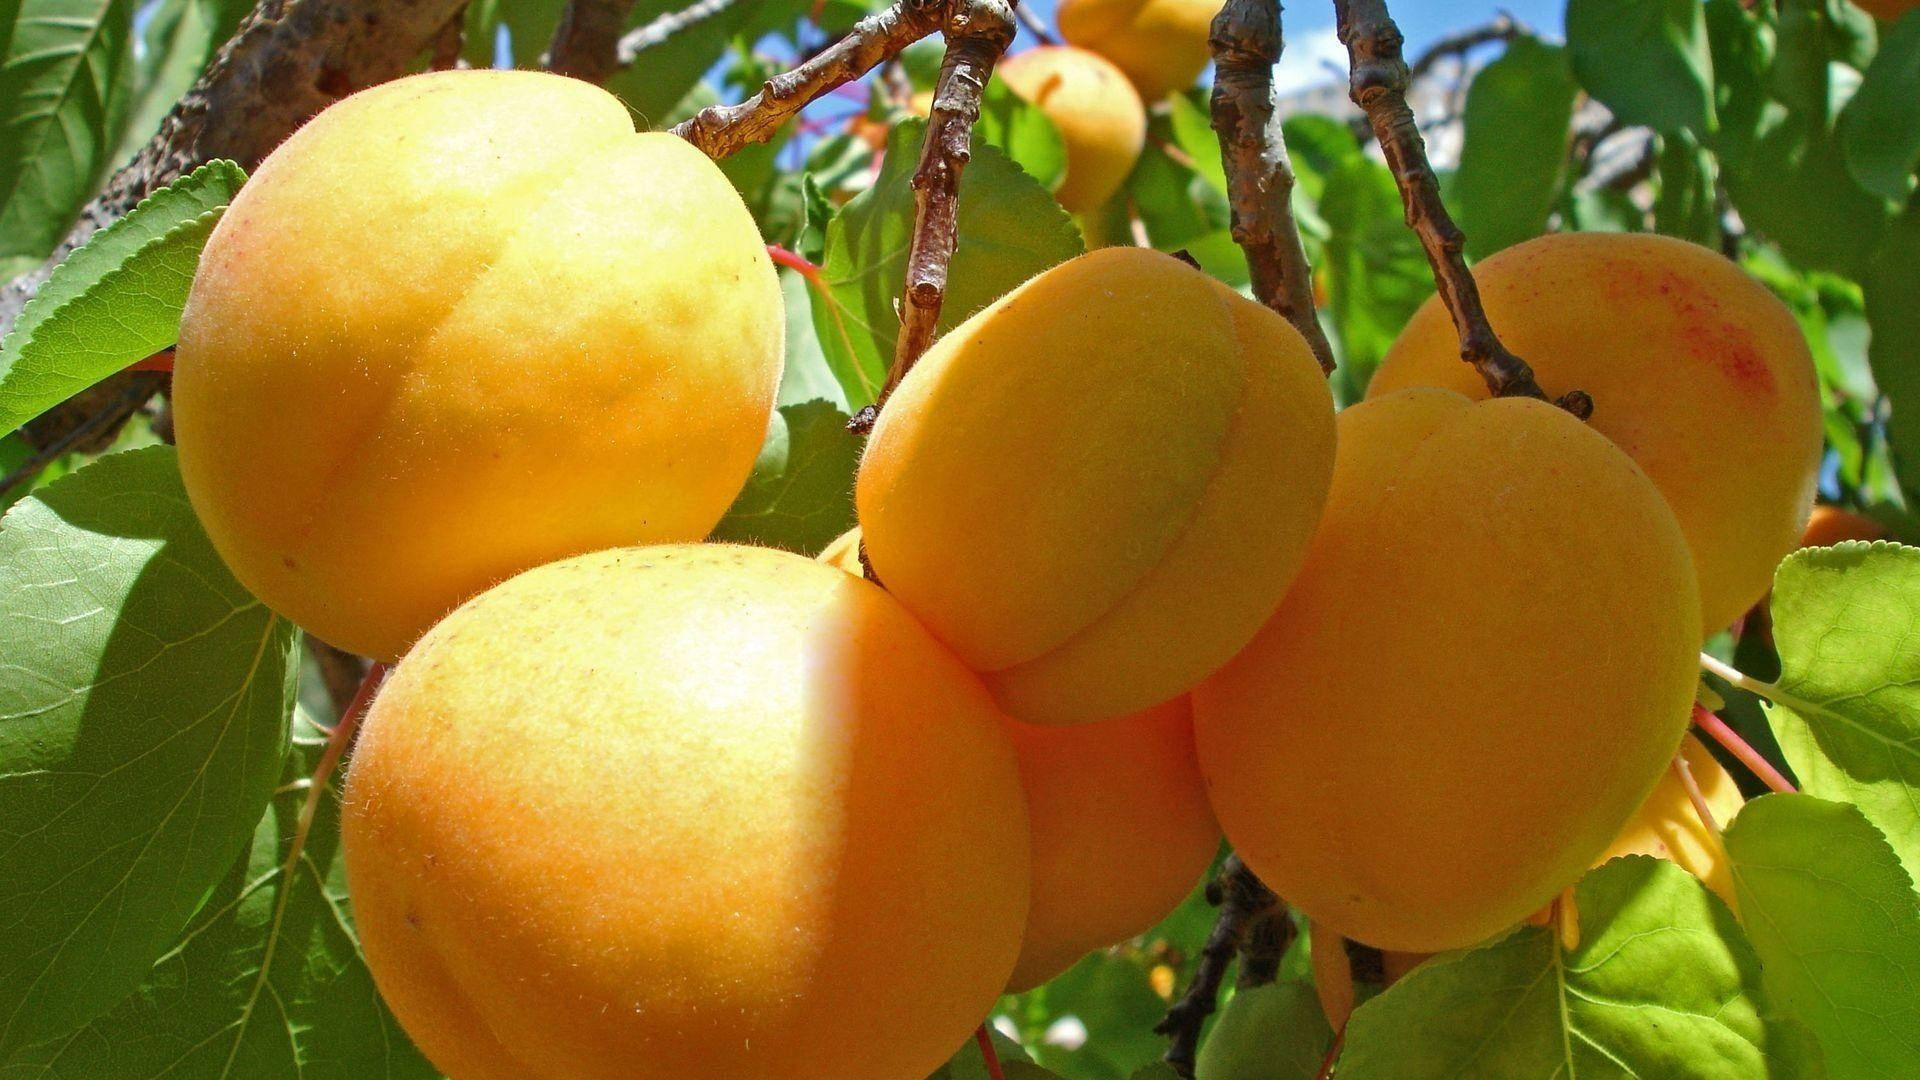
x: 1272, y: 1032
x: 1847, y: 704
x: 1837, y: 924
x: 176, y: 42
x: 1647, y: 60
x: 1880, y: 127
x: 1891, y: 287
x: 1513, y: 154
x: 800, y: 495
x: 143, y: 721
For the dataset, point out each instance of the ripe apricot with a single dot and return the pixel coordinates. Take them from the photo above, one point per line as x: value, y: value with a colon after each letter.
x: 655, y: 813
x: 1160, y: 44
x: 1698, y: 372
x: 1096, y: 488
x: 844, y: 552
x: 1121, y: 832
x: 1101, y: 121
x: 1831, y: 525
x: 1668, y: 827
x: 1886, y: 10
x: 1479, y: 674
x: 459, y: 325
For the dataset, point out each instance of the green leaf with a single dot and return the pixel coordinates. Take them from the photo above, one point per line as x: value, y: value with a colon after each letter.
x: 805, y: 376
x: 1687, y: 205
x: 1791, y: 185
x: 800, y: 495
x: 660, y: 76
x: 529, y: 25
x: 1009, y: 230
x: 1847, y: 708
x: 1647, y: 60
x: 967, y: 1063
x: 1880, y: 127
x: 116, y: 300
x: 1377, y: 274
x: 176, y: 43
x: 1019, y: 129
x: 1837, y: 925
x: 1514, y: 151
x: 63, y: 91
x: 1661, y: 983
x: 143, y: 720
x: 1273, y: 1032
x: 215, y: 1006
x: 1891, y: 287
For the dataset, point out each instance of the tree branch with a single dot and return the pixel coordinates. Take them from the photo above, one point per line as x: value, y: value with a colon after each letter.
x: 719, y: 130
x: 1246, y: 43
x: 586, y: 40
x: 657, y: 32
x: 1242, y: 898
x: 1378, y: 85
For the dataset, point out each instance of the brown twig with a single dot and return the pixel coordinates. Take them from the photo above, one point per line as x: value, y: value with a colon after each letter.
x: 1035, y: 25
x: 719, y: 130
x: 1246, y: 43
x: 288, y: 60
x: 444, y: 52
x: 1502, y: 28
x: 586, y: 40
x: 666, y: 25
x: 122, y: 403
x: 1378, y: 80
x: 1241, y: 898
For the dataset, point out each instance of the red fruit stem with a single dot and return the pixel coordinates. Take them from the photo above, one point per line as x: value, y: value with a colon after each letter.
x: 1740, y: 749
x: 1333, y: 1054
x: 988, y: 1054
x: 795, y: 262
x: 161, y: 361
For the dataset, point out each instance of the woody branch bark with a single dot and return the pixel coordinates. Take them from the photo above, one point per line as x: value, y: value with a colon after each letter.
x: 1245, y: 903
x: 1246, y: 43
x: 1378, y: 79
x: 587, y: 38
x: 719, y: 130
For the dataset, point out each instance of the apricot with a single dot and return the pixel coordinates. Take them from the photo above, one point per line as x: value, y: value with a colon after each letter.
x: 1098, y: 113
x: 1831, y: 525
x: 1096, y: 488
x: 844, y: 552
x: 1668, y: 827
x: 1121, y: 832
x: 1886, y: 10
x: 1698, y: 372
x: 1480, y: 673
x: 656, y: 813
x: 459, y: 325
x: 1160, y: 44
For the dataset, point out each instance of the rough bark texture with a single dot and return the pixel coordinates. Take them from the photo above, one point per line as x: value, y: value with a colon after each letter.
x: 586, y: 41
x: 1244, y: 902
x: 720, y: 130
x: 288, y: 60
x: 1246, y: 44
x: 642, y: 38
x: 1378, y: 85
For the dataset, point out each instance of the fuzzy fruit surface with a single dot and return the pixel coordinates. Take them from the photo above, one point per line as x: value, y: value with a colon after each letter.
x: 1100, y: 797
x: 1886, y: 10
x: 665, y: 812
x: 1831, y: 525
x: 1160, y: 44
x: 1668, y: 827
x: 1698, y: 372
x: 1098, y: 113
x: 463, y: 324
x: 1480, y: 674
x: 1097, y: 487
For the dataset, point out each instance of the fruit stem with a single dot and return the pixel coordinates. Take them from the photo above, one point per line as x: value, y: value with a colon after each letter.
x: 1377, y: 82
x: 1740, y: 749
x: 796, y: 262
x: 1246, y: 42
x: 988, y: 1054
x: 1333, y: 1054
x: 1685, y: 772
x: 161, y: 361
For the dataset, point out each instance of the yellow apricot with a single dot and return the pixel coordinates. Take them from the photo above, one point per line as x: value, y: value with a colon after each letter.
x: 1121, y: 832
x: 657, y: 813
x: 459, y: 325
x: 844, y: 552
x: 1668, y: 827
x: 1096, y: 488
x: 1160, y: 44
x: 1831, y: 525
x: 1480, y: 673
x: 1698, y: 372
x: 1101, y: 121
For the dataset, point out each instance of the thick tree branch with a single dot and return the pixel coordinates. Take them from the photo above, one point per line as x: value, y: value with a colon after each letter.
x: 586, y: 40
x: 288, y: 60
x: 1243, y: 900
x: 1378, y: 85
x: 720, y: 130
x: 657, y: 32
x: 1246, y: 43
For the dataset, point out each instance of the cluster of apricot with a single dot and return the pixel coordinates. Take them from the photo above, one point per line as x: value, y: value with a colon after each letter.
x: 677, y: 810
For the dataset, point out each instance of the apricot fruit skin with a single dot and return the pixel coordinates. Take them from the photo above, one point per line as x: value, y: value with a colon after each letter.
x: 678, y: 811
x: 1098, y: 113
x: 1886, y: 10
x: 1096, y: 488
x: 1477, y: 678
x: 1121, y: 832
x: 1698, y: 372
x: 1161, y: 45
x: 1668, y: 827
x: 459, y: 325
x: 1831, y: 525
